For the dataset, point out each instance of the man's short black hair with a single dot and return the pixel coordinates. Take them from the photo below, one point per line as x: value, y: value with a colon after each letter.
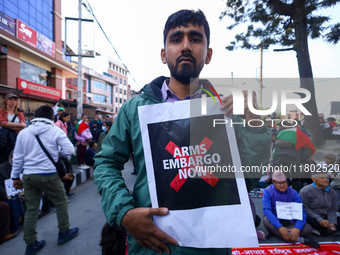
x: 183, y: 18
x: 91, y: 143
x: 44, y: 111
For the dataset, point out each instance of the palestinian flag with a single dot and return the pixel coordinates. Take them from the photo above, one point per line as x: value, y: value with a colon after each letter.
x: 297, y: 137
x: 80, y: 127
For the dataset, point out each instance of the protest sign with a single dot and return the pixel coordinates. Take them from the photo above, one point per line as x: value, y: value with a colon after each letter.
x: 289, y: 211
x: 10, y: 190
x: 207, y: 209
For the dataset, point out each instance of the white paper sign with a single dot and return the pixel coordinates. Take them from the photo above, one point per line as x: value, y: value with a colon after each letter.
x: 10, y: 190
x: 289, y: 211
x: 204, y: 212
x: 336, y: 132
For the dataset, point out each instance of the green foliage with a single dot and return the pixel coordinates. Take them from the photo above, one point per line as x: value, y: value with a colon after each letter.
x: 274, y: 21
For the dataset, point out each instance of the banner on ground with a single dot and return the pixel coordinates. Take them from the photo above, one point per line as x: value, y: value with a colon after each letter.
x: 327, y: 248
x: 206, y: 209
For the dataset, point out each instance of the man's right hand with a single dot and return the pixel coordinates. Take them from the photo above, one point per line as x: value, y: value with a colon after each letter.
x: 284, y: 232
x: 138, y: 222
x: 324, y: 223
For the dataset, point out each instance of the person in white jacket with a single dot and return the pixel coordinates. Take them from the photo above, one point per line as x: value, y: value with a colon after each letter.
x: 40, y: 175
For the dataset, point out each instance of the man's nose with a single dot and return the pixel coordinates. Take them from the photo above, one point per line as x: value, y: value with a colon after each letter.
x: 186, y: 45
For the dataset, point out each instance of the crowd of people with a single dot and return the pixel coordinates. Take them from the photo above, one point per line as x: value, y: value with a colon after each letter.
x: 107, y: 146
x: 31, y: 144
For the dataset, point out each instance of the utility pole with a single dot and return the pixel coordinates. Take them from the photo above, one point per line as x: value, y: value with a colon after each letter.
x: 80, y: 67
x: 260, y: 78
x: 232, y: 78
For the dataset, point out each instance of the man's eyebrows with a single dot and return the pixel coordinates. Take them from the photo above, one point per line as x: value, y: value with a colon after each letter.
x: 181, y: 33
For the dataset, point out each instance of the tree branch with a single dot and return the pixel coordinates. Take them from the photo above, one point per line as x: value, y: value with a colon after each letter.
x: 281, y: 8
x: 287, y: 49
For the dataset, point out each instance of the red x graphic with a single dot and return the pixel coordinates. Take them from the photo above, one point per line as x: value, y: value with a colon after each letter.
x: 177, y: 183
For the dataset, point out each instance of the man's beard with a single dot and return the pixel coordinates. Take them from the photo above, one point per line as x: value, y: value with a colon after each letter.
x: 184, y: 74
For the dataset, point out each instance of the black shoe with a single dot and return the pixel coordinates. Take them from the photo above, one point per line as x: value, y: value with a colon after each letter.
x: 311, y: 243
x: 67, y: 236
x: 69, y: 195
x: 134, y: 172
x: 32, y: 248
x: 50, y: 210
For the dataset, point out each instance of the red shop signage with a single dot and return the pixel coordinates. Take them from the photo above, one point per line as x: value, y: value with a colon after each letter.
x: 35, y: 39
x: 26, y: 33
x: 35, y: 89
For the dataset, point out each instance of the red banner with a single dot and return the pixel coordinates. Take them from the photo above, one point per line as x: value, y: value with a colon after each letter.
x: 35, y: 39
x: 32, y: 88
x: 301, y: 249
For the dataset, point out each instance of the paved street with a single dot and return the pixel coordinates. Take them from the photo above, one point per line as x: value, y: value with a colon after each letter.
x: 84, y: 211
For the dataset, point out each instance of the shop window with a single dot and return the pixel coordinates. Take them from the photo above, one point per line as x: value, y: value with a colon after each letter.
x: 34, y: 74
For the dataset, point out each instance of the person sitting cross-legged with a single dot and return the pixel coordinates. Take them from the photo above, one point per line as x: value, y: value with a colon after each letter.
x: 320, y: 202
x: 289, y: 230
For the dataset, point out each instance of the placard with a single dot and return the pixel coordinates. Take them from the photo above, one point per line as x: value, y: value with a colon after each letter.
x: 203, y: 205
x: 10, y: 190
x: 289, y: 210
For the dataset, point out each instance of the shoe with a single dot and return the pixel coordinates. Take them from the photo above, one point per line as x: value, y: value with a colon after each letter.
x: 32, y: 248
x: 70, y: 195
x: 50, y: 210
x: 83, y: 166
x: 67, y: 236
x: 9, y: 237
x: 260, y: 235
x: 312, y: 243
x: 134, y: 172
x: 316, y: 232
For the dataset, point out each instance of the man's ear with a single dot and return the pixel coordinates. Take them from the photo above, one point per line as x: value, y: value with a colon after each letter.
x: 163, y: 56
x: 209, y: 56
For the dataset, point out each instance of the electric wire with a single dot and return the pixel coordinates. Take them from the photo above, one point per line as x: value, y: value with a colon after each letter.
x: 101, y: 28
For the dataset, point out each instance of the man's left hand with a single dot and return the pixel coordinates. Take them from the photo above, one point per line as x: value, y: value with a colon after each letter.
x: 18, y: 184
x: 294, y: 234
x: 248, y: 115
x: 331, y: 227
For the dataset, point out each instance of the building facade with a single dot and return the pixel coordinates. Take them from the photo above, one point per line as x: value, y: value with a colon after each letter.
x: 31, y: 56
x: 113, y: 69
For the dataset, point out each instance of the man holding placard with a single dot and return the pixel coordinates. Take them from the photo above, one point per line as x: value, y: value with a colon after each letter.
x: 186, y: 51
x: 283, y: 212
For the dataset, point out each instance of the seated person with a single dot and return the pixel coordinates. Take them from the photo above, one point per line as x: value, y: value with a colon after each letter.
x: 328, y: 165
x: 335, y: 184
x: 320, y: 202
x: 68, y: 178
x: 289, y: 230
x: 5, y: 232
x: 5, y: 173
x: 90, y: 152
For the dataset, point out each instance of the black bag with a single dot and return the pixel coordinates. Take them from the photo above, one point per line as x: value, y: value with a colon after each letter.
x: 61, y: 168
x: 8, y: 137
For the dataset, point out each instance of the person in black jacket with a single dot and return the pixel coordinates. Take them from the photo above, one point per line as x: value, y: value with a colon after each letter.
x: 90, y: 152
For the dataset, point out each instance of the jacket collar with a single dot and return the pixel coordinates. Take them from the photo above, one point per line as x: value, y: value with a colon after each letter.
x: 326, y: 189
x: 43, y: 120
x: 153, y: 89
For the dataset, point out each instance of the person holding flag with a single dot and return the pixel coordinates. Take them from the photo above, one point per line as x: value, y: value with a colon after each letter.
x: 83, y: 136
x: 293, y: 148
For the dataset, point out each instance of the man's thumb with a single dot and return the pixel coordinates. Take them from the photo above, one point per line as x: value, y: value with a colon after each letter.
x: 159, y: 211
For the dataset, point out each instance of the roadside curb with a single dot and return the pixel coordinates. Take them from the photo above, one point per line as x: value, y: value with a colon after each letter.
x: 81, y: 175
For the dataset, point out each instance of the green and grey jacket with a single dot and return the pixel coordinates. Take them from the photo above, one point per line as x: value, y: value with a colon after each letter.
x: 125, y: 137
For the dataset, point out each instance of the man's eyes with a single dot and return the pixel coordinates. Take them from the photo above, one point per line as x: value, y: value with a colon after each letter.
x: 195, y: 40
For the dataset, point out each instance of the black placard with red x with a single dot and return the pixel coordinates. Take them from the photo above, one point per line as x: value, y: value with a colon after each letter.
x: 177, y: 191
